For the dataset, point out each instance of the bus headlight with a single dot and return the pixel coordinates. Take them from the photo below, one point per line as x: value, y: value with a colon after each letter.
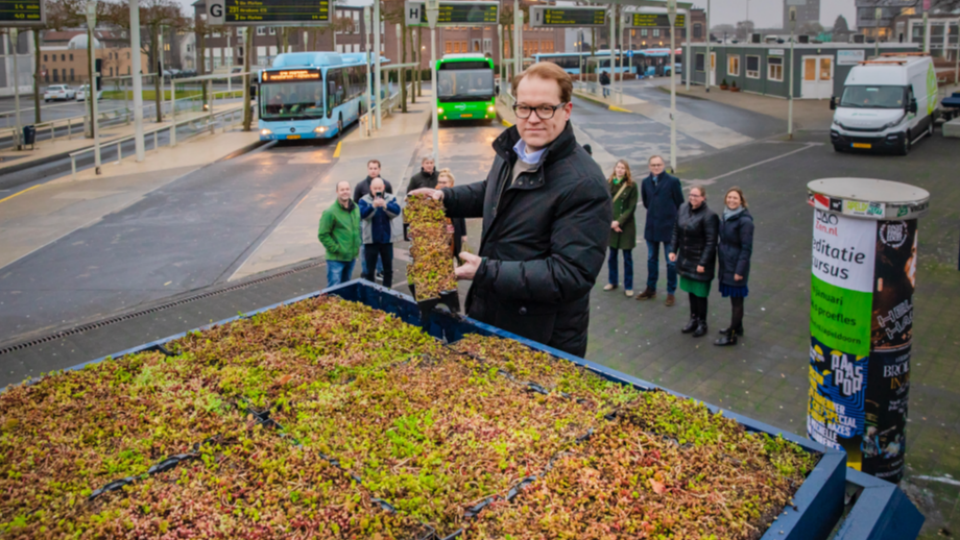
x: 491, y: 108
x: 265, y: 132
x: 440, y: 110
x: 320, y: 129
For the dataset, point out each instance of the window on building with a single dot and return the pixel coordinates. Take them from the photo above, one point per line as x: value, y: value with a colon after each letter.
x: 63, y: 58
x: 733, y: 65
x: 656, y: 32
x: 261, y: 30
x: 697, y: 31
x: 111, y: 72
x: 128, y: 55
x: 643, y: 32
x: 45, y: 58
x: 463, y: 47
x: 71, y: 74
x: 55, y: 77
x: 128, y: 70
x: 448, y: 47
x: 698, y: 62
x: 273, y: 30
x: 753, y: 67
x: 456, y: 46
x: 775, y: 68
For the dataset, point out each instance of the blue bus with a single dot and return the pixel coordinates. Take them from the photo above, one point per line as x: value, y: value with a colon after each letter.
x: 311, y: 95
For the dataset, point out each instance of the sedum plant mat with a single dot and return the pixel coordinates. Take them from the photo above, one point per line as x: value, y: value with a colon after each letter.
x: 431, y: 271
x: 328, y: 419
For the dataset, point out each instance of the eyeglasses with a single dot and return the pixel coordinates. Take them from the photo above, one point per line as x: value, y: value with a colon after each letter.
x: 657, y: 165
x: 544, y: 112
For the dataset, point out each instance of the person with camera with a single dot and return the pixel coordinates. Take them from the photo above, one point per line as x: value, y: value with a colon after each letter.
x: 380, y: 217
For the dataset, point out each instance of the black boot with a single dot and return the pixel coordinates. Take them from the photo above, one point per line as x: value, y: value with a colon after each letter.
x: 738, y: 330
x: 727, y: 338
x: 691, y: 325
x: 701, y: 328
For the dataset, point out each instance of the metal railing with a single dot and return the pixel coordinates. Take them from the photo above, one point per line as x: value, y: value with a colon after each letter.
x: 390, y: 103
x: 200, y: 124
x: 609, y: 92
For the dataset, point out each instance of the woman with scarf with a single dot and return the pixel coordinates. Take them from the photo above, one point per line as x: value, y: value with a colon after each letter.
x: 694, y: 247
x: 736, y: 246
x: 623, y: 229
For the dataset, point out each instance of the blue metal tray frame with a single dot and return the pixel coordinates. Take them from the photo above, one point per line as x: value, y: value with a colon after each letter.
x: 881, y: 510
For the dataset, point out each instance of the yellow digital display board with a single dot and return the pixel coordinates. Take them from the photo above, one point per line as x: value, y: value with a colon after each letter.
x: 645, y: 20
x: 21, y: 13
x: 463, y: 13
x: 307, y: 12
x: 291, y: 75
x: 568, y: 16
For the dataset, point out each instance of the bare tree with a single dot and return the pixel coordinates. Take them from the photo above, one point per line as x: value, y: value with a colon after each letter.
x: 154, y: 16
x: 60, y: 14
x: 744, y: 29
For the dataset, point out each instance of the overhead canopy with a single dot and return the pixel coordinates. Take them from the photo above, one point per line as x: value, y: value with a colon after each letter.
x: 650, y: 3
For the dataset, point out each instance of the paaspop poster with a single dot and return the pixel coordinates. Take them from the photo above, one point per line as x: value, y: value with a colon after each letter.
x: 837, y: 397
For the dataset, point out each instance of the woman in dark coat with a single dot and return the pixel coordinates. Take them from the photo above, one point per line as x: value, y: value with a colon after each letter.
x: 736, y: 246
x: 457, y: 226
x: 694, y: 246
x: 623, y: 229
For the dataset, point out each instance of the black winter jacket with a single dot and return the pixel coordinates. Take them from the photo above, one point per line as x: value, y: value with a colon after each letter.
x: 363, y: 188
x: 423, y: 180
x: 662, y: 200
x: 543, y: 243
x: 736, y: 246
x: 695, y: 241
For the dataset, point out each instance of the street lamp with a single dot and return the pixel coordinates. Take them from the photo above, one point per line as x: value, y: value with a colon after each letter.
x: 92, y: 93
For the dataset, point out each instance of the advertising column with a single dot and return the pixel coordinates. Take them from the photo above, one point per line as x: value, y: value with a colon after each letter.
x: 863, y: 275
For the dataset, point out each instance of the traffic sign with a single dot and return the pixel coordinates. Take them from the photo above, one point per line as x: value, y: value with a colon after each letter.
x: 562, y: 16
x: 268, y: 12
x: 22, y: 13
x: 454, y: 13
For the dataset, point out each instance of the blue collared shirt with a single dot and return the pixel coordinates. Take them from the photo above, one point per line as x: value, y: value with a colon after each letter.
x: 527, y: 157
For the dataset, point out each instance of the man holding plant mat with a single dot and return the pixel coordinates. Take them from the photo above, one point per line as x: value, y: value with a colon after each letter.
x: 546, y: 219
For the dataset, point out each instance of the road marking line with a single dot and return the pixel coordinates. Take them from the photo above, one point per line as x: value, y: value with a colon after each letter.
x: 336, y: 153
x: 764, y: 162
x: 20, y: 193
x: 505, y: 123
x: 619, y: 109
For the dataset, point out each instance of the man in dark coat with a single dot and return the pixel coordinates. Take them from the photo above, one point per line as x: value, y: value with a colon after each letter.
x: 546, y: 217
x: 426, y: 178
x: 662, y: 195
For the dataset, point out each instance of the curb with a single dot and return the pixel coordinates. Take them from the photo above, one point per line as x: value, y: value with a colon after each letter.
x: 24, y: 165
x: 666, y: 90
x: 602, y: 103
x: 239, y: 152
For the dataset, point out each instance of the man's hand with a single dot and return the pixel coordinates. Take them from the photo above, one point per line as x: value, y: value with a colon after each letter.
x: 672, y: 257
x: 435, y: 193
x: 379, y: 203
x: 737, y: 277
x: 616, y: 226
x: 701, y: 269
x: 469, y: 267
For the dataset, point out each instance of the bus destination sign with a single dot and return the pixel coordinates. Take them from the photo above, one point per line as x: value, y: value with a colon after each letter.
x: 290, y: 75
x: 276, y: 12
x: 21, y: 13
x: 568, y: 16
x: 646, y: 20
x: 455, y: 13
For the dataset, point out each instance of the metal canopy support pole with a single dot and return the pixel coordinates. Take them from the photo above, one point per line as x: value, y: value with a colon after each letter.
x: 16, y: 87
x: 688, y: 39
x: 92, y: 93
x: 926, y: 32
x: 672, y: 12
x: 136, y: 69
x: 612, y: 43
x: 500, y: 54
x: 433, y: 11
x: 707, y: 62
x: 400, y: 48
x: 517, y: 39
x: 375, y: 23
x: 366, y: 23
x: 956, y: 54
x: 793, y: 28
x: 173, y: 113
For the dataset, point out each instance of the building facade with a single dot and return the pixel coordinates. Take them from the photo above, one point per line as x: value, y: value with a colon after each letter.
x: 25, y: 59
x: 70, y: 65
x: 944, y: 30
x: 807, y: 11
x: 882, y: 28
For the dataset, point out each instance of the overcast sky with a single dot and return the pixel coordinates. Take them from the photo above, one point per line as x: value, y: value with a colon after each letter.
x: 769, y: 13
x: 764, y: 13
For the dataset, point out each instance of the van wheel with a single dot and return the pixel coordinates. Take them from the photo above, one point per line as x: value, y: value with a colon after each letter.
x: 905, y: 149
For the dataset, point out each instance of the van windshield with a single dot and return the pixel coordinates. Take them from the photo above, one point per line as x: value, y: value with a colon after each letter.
x: 874, y: 97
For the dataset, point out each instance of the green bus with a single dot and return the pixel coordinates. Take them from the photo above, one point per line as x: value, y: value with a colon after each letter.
x: 467, y: 90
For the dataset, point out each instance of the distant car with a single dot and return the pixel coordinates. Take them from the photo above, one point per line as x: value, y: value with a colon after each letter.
x: 59, y: 91
x: 84, y: 90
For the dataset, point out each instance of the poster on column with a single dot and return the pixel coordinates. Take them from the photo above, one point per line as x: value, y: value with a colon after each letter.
x: 884, y: 439
x: 895, y: 281
x: 842, y: 286
x: 836, y: 410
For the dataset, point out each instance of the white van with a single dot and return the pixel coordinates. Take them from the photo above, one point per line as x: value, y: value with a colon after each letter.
x: 888, y: 103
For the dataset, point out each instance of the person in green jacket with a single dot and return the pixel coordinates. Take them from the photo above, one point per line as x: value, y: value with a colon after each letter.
x: 623, y: 229
x: 340, y: 235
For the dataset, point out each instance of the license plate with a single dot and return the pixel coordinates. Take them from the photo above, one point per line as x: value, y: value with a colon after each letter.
x: 866, y: 146
x: 466, y: 116
x: 291, y: 137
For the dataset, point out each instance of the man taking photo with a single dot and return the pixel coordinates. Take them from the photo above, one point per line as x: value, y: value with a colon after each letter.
x: 546, y: 217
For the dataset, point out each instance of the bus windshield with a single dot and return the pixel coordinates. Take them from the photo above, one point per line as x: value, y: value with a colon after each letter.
x: 289, y: 101
x: 873, y: 97
x: 465, y: 85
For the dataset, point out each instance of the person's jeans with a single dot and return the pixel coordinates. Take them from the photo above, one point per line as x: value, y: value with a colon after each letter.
x: 653, y: 266
x: 383, y: 253
x: 606, y: 91
x: 363, y: 262
x: 612, y: 267
x: 339, y: 271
